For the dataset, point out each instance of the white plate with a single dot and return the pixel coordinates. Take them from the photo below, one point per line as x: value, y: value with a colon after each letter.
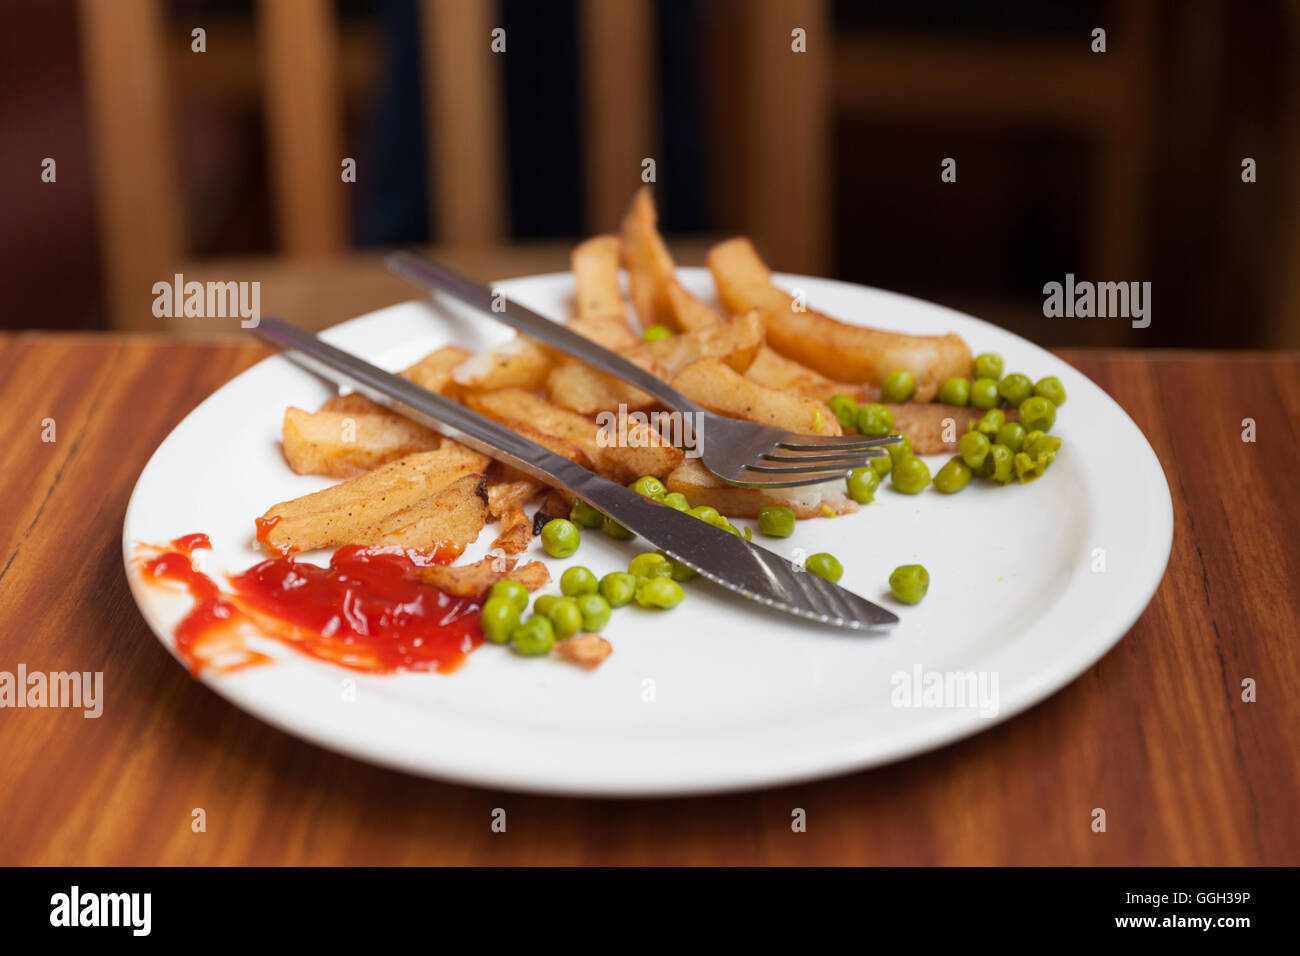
x: 718, y: 694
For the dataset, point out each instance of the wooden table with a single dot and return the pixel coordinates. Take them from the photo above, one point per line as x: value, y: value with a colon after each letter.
x: 1156, y: 733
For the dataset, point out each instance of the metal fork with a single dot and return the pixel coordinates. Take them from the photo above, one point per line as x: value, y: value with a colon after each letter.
x: 739, y: 565
x: 739, y: 452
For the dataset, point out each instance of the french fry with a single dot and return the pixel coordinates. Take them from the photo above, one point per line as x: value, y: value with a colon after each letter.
x: 774, y: 370
x: 344, y: 444
x: 702, y: 487
x: 840, y: 351
x: 347, y: 513
x: 509, y: 491
x: 354, y: 403
x: 735, y: 341
x: 657, y: 296
x: 927, y: 425
x: 585, y: 650
x: 475, y: 580
x: 587, y: 391
x: 601, y: 315
x: 515, y: 363
x: 582, y: 389
x: 692, y: 314
x: 516, y: 532
x: 447, y: 522
x: 720, y: 388
x: 557, y: 503
x: 649, y: 265
x: 633, y: 450
x: 524, y: 363
x: 434, y: 371
x: 532, y: 575
x: 511, y: 407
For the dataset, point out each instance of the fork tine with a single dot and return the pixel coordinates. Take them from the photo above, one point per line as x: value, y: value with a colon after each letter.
x: 782, y: 481
x: 834, y: 458
x: 790, y: 467
x: 829, y: 471
x: 835, y: 442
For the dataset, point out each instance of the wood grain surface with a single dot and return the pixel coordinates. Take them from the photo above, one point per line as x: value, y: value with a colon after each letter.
x: 1156, y: 733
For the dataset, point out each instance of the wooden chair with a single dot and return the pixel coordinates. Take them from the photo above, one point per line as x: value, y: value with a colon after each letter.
x: 141, y: 222
x: 770, y: 120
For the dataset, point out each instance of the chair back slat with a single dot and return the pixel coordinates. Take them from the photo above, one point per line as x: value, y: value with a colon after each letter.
x: 464, y: 103
x: 137, y: 198
x: 619, y: 104
x: 299, y: 55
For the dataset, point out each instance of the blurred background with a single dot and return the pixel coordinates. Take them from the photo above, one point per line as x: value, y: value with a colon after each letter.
x: 226, y: 164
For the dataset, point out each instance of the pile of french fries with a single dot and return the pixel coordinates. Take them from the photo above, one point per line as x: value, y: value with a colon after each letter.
x: 760, y: 355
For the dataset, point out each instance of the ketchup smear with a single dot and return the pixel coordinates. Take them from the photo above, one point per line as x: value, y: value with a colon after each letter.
x: 367, y: 611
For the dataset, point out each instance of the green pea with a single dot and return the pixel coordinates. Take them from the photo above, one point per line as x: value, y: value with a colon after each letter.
x: 578, y: 580
x: 498, y: 617
x: 533, y: 638
x: 911, y: 475
x: 952, y: 477
x: 898, y: 386
x: 1039, y: 443
x: 875, y: 421
x: 988, y: 365
x: 618, y: 588
x: 544, y: 603
x: 973, y: 448
x: 998, y: 465
x: 681, y: 572
x: 909, y: 582
x: 723, y: 524
x: 1051, y: 389
x: 1015, y: 388
x: 656, y: 332
x: 845, y: 409
x: 649, y: 487
x: 595, y: 612
x: 863, y: 483
x: 882, y: 465
x: 560, y: 538
x: 1012, y: 434
x: 512, y: 591
x: 677, y: 501
x: 984, y: 393
x: 900, y: 450
x: 660, y: 593
x: 1027, y: 468
x: 585, y: 516
x: 955, y: 391
x: 650, y: 565
x: 824, y: 566
x: 614, y: 530
x: 705, y: 513
x: 776, y: 521
x: 1037, y: 414
x: 565, y: 618
x: 990, y: 421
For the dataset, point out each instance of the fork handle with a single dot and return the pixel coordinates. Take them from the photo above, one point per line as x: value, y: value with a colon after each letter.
x: 441, y: 279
